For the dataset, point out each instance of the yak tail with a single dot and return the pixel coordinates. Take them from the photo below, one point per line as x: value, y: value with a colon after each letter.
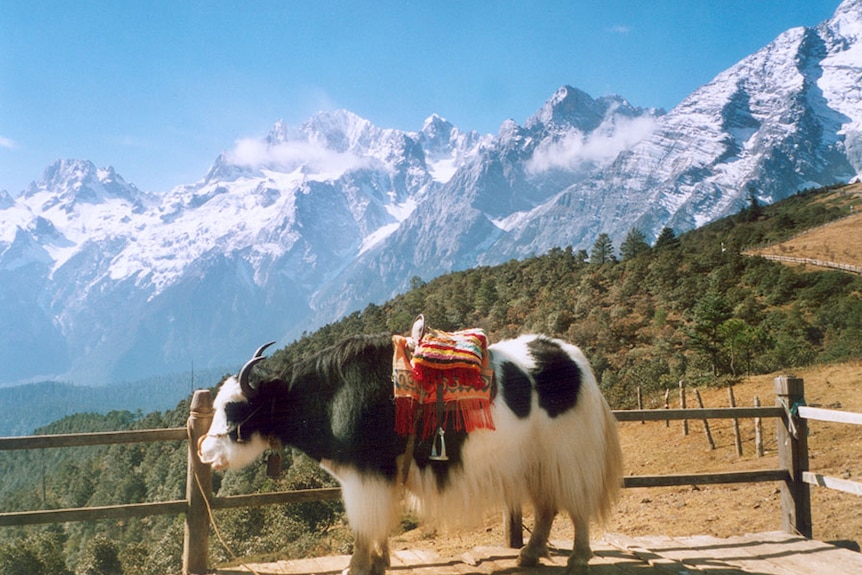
x: 613, y: 467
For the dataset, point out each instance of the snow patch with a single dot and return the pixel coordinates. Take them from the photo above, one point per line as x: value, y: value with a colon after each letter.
x: 443, y: 170
x: 511, y: 222
x: 400, y: 212
x: 378, y: 236
x: 403, y: 210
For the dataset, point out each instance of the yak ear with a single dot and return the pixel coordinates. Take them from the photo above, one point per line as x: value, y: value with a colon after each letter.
x: 418, y: 330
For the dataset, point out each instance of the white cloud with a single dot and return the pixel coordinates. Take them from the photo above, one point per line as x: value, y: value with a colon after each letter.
x: 620, y: 29
x: 288, y: 156
x: 7, y: 143
x: 615, y: 135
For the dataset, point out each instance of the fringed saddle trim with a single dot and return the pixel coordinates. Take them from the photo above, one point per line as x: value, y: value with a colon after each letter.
x: 466, y: 393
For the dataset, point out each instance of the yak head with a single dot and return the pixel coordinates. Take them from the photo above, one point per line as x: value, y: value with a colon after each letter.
x: 239, y: 430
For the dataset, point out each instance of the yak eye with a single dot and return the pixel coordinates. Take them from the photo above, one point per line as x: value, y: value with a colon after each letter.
x: 238, y: 414
x: 237, y: 411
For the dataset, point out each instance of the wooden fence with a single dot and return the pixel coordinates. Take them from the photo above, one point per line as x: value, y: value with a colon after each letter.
x: 811, y: 261
x: 793, y: 472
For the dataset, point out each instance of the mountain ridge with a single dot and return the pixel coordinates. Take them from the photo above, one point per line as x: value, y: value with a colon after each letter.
x: 293, y: 230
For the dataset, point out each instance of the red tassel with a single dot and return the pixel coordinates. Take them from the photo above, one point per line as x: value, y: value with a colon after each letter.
x: 405, y: 415
x: 429, y: 377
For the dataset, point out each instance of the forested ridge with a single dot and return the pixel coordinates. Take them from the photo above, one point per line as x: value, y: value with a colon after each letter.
x: 689, y: 307
x: 33, y: 405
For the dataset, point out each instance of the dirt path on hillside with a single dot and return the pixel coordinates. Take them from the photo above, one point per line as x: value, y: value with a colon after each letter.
x: 839, y: 242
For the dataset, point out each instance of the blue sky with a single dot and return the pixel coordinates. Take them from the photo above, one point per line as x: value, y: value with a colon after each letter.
x: 158, y: 89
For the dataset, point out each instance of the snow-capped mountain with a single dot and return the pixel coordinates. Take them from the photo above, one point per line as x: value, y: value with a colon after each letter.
x: 100, y: 281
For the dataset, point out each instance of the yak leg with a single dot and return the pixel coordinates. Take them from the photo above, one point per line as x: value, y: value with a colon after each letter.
x: 372, y: 504
x: 380, y: 557
x: 360, y: 561
x: 369, y: 558
x: 580, y: 557
x: 537, y: 546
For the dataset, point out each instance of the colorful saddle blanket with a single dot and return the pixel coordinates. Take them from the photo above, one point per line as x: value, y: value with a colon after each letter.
x: 458, y: 363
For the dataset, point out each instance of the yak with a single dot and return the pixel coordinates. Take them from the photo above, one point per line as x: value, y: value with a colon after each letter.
x: 553, y: 443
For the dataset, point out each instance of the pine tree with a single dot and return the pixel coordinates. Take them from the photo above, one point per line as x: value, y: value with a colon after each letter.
x: 666, y: 238
x: 634, y: 245
x: 710, y: 311
x: 603, y: 250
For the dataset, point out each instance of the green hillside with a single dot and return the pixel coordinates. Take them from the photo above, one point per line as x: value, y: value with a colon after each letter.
x: 689, y: 307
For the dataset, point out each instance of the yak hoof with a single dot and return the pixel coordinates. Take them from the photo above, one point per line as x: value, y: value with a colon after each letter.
x: 577, y: 565
x: 529, y: 556
x: 376, y: 568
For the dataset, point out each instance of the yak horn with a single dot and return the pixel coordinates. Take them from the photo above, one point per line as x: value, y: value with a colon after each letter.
x: 245, y: 372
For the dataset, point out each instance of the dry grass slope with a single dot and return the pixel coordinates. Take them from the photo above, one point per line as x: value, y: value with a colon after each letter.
x: 838, y: 242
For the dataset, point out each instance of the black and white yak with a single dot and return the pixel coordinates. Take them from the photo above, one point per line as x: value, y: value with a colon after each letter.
x: 555, y: 445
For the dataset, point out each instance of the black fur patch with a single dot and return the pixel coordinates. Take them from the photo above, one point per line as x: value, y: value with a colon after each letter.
x: 337, y: 405
x: 557, y: 376
x: 516, y: 388
x: 454, y: 444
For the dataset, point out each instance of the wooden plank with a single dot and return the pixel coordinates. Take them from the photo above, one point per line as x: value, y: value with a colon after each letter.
x: 673, y: 549
x: 803, y: 555
x: 92, y: 513
x: 90, y: 439
x: 844, y: 485
x: 640, y: 548
x: 711, y: 413
x: 611, y: 561
x: 740, y: 552
x: 276, y: 497
x: 774, y: 553
x: 705, y: 478
x: 830, y: 415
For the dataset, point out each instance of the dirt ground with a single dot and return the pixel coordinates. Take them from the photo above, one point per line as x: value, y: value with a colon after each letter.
x: 654, y: 448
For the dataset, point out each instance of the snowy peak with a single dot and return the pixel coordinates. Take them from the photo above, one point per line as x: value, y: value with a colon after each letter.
x: 438, y: 135
x: 572, y: 108
x: 79, y: 181
x: 847, y: 20
x: 568, y: 107
x: 6, y: 200
x: 574, y: 132
x: 340, y: 131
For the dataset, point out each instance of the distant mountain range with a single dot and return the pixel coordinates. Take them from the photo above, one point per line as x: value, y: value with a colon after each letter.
x: 101, y: 281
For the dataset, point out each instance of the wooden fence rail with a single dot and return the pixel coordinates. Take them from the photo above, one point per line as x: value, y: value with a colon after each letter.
x: 811, y: 261
x: 793, y: 474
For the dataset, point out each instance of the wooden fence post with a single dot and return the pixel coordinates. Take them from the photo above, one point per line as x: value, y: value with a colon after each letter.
x: 641, y: 402
x: 513, y: 529
x: 682, y: 406
x: 198, y: 488
x: 705, y: 421
x: 793, y: 456
x: 667, y: 404
x: 737, y: 437
x: 758, y: 431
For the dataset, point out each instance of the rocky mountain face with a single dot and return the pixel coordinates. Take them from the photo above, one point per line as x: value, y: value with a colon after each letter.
x: 100, y: 281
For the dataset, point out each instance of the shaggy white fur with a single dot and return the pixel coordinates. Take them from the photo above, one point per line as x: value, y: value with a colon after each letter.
x: 216, y: 448
x: 571, y: 462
